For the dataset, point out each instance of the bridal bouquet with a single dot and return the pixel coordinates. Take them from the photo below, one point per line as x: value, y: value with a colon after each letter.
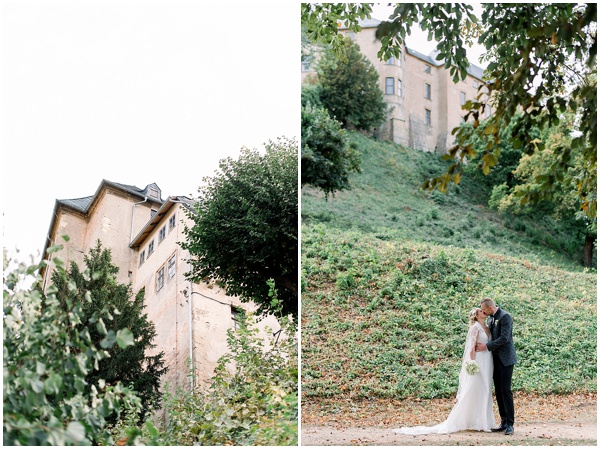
x: 471, y: 367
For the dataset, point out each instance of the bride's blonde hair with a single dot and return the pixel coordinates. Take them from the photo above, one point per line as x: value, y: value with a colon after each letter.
x: 473, y: 316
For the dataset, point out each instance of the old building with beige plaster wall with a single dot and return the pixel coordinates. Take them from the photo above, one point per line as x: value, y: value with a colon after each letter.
x: 142, y: 231
x: 426, y: 103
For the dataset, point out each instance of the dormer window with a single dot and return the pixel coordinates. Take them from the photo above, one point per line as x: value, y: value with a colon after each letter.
x: 153, y: 193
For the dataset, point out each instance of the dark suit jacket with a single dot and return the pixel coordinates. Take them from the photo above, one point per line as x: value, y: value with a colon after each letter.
x: 501, y: 344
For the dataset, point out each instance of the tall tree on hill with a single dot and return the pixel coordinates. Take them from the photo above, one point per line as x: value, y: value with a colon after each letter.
x: 543, y: 63
x: 327, y: 158
x: 245, y: 226
x: 111, y: 301
x: 350, y: 88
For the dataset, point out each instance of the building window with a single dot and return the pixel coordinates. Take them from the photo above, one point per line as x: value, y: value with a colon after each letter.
x: 162, y: 233
x: 153, y: 212
x: 151, y: 247
x: 237, y: 316
x: 391, y: 61
x: 488, y: 110
x: 463, y: 98
x: 427, y: 117
x: 152, y: 192
x: 428, y: 91
x: 399, y: 88
x: 389, y: 86
x: 160, y: 278
x: 427, y: 68
x: 142, y: 257
x: 475, y: 84
x: 305, y: 63
x: 351, y: 35
x: 171, y: 266
x: 171, y: 223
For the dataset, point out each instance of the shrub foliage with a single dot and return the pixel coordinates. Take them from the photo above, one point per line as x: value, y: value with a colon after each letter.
x: 47, y: 358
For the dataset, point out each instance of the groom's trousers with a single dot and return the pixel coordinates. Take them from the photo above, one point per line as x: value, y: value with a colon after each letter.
x: 504, y: 396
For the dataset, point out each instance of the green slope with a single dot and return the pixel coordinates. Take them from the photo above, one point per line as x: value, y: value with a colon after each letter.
x: 388, y: 196
x: 389, y: 274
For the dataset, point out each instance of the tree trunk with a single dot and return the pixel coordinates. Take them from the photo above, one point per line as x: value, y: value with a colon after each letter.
x: 588, y: 250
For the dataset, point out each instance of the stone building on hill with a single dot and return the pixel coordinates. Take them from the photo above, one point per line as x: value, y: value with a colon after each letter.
x: 142, y: 230
x: 426, y: 102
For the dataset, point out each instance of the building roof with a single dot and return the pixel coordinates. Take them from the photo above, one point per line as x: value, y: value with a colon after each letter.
x: 152, y: 192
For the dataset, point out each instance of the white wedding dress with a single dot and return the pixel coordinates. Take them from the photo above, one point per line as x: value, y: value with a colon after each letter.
x: 473, y: 408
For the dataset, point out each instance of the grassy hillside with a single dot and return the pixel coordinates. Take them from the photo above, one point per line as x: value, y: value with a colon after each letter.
x: 389, y: 274
x: 388, y: 195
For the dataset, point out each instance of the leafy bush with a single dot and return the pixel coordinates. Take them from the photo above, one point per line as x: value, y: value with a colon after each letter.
x: 45, y: 363
x: 311, y: 95
x: 327, y: 158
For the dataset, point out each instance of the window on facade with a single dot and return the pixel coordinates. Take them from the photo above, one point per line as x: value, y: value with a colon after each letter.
x: 153, y: 212
x: 160, y: 278
x: 171, y: 223
x: 488, y: 110
x: 162, y: 233
x: 389, y: 86
x: 151, y: 247
x: 427, y: 117
x: 237, y: 316
x: 305, y: 63
x: 142, y: 257
x: 399, y: 88
x: 427, y: 68
x: 351, y: 35
x: 475, y: 84
x: 171, y: 266
x: 463, y: 98
x: 391, y: 61
x: 428, y: 91
x: 152, y: 192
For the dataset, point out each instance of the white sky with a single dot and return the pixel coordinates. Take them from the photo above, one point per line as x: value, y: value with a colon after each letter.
x: 136, y: 92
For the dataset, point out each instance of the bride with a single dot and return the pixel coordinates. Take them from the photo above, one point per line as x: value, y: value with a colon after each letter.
x: 473, y: 408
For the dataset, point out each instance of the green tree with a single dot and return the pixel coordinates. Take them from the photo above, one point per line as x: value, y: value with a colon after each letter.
x: 562, y: 201
x: 508, y: 160
x: 311, y: 94
x: 327, y: 157
x: 543, y: 63
x: 350, y: 88
x: 47, y: 399
x: 245, y: 226
x: 109, y: 299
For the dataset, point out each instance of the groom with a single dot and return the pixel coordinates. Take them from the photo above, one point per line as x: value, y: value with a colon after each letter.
x: 505, y: 357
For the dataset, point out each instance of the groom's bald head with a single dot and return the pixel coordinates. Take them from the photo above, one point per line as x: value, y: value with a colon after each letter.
x: 487, y: 302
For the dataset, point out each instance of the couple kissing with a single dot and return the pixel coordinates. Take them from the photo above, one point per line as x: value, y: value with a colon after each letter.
x: 489, y: 355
